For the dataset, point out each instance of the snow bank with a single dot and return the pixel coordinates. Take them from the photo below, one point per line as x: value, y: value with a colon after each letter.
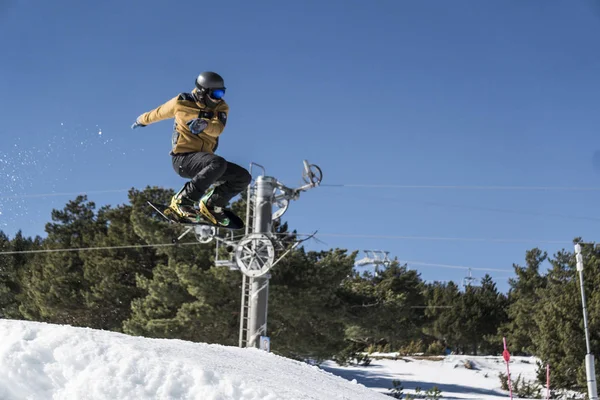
x: 42, y: 361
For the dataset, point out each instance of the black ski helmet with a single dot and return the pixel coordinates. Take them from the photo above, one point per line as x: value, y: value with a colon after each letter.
x: 210, y: 87
x: 209, y: 80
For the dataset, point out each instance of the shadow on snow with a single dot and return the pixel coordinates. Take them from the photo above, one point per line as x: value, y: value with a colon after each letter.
x: 372, y: 379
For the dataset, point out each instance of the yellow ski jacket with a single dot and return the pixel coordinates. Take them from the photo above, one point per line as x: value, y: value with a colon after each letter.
x: 188, y: 112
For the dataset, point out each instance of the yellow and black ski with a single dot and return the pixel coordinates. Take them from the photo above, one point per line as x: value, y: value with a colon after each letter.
x: 167, y: 213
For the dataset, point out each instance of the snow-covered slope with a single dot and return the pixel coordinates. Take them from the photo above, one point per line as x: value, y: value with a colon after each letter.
x: 449, y: 374
x: 42, y: 361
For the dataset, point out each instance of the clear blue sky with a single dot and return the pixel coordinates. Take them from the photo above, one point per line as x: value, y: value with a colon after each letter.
x: 380, y: 92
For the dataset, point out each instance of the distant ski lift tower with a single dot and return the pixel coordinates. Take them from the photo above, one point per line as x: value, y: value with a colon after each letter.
x: 468, y: 280
x: 376, y: 258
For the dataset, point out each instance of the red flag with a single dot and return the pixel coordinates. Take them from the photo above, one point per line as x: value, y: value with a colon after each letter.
x: 506, y: 355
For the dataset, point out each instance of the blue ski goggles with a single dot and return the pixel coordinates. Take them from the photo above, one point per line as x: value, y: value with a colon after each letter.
x: 217, y: 93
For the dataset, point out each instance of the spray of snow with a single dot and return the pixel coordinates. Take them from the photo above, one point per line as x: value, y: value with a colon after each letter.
x: 27, y: 163
x: 43, y: 361
x: 19, y: 168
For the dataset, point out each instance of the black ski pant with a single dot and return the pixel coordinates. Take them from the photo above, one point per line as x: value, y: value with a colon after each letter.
x: 206, y: 169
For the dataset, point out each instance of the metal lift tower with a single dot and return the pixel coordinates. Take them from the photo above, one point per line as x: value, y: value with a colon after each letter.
x: 260, y: 249
x: 255, y: 253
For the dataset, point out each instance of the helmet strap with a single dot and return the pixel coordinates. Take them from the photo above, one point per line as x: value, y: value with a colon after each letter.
x: 201, y: 96
x: 208, y: 101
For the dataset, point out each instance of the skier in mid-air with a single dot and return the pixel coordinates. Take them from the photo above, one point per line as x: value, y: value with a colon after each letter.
x: 200, y: 118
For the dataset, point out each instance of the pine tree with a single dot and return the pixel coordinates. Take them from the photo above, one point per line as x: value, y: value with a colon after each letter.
x: 186, y: 297
x: 405, y: 315
x: 478, y: 311
x: 9, y: 287
x: 112, y: 273
x: 524, y: 300
x: 384, y: 308
x: 306, y: 313
x: 154, y: 315
x: 188, y: 302
x: 443, y: 301
x: 494, y: 306
x: 21, y: 263
x: 469, y: 313
x: 54, y: 287
x: 560, y: 339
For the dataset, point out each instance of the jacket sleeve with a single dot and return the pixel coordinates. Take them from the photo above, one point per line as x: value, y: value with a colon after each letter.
x: 217, y: 124
x: 164, y: 111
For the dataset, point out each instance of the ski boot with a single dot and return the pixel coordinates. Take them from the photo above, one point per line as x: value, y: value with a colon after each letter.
x: 214, y: 214
x: 183, y: 206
